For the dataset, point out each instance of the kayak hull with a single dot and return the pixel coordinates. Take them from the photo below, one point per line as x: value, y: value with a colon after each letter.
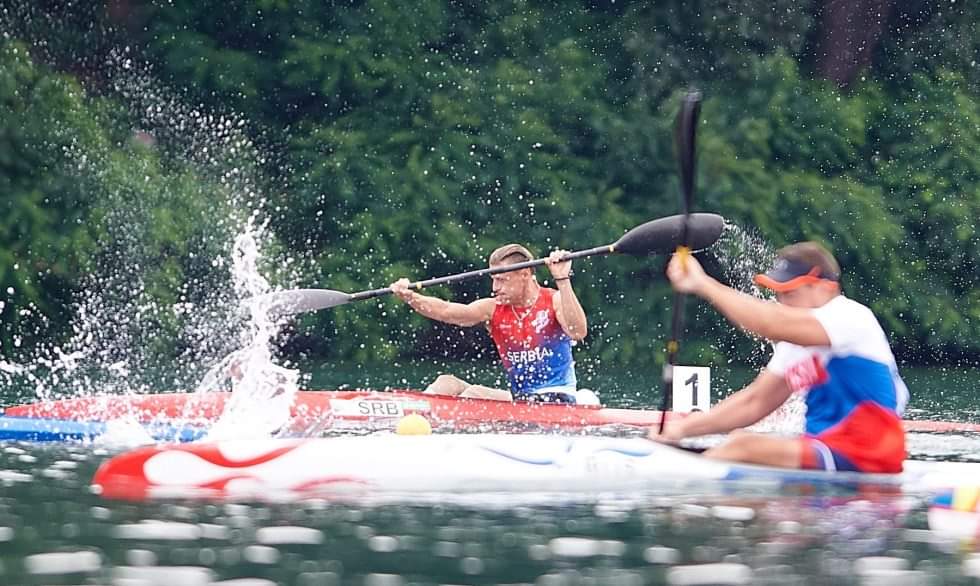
x: 325, y: 409
x: 310, y: 407
x: 456, y: 463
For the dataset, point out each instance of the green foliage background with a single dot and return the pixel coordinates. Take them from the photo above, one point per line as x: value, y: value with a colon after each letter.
x: 412, y: 139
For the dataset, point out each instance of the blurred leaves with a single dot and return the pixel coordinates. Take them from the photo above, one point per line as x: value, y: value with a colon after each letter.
x: 413, y: 140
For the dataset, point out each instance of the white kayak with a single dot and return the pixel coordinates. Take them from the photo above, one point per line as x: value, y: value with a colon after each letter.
x: 451, y: 463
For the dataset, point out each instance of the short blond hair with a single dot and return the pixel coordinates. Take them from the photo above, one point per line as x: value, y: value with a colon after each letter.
x: 509, y: 254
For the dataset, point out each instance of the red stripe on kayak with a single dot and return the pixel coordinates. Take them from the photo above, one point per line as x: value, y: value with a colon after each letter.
x: 312, y: 406
x: 941, y: 427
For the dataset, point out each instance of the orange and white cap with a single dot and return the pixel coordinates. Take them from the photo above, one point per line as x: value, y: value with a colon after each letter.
x: 800, y: 264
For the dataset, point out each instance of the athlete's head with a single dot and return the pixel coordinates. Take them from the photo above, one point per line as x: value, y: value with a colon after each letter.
x: 804, y: 275
x: 512, y: 287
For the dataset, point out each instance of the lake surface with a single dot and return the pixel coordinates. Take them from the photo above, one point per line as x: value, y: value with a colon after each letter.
x: 54, y: 530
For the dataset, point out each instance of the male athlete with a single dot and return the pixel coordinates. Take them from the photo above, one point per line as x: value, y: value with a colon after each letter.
x: 828, y: 346
x: 533, y: 327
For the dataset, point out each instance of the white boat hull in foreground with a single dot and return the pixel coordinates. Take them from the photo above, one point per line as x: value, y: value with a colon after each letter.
x: 457, y: 463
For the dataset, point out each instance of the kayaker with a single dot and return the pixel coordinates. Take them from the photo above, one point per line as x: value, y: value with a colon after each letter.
x: 826, y: 345
x: 533, y: 327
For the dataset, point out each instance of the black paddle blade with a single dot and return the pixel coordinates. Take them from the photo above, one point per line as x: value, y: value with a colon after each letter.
x: 283, y: 303
x: 685, y: 133
x: 664, y: 235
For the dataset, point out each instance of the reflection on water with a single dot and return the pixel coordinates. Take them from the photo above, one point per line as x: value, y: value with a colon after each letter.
x: 54, y: 531
x: 944, y: 446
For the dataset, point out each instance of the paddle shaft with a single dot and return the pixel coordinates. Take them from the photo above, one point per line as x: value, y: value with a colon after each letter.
x: 684, y: 138
x: 418, y: 285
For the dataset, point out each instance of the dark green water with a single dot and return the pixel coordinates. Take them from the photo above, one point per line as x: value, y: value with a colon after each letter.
x: 53, y: 530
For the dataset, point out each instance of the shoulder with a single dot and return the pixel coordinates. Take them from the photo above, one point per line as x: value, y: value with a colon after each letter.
x: 488, y: 302
x: 851, y: 326
x: 842, y: 313
x: 485, y: 306
x: 552, y: 299
x: 842, y: 305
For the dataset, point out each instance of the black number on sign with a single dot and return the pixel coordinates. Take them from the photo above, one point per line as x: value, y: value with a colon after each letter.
x: 693, y: 381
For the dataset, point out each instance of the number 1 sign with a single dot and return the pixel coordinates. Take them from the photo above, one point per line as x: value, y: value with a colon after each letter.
x: 692, y: 388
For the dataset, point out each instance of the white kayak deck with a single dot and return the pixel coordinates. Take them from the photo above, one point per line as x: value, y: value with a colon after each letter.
x: 463, y: 463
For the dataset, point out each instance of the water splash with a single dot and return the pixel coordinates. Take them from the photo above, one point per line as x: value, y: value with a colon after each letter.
x: 157, y: 312
x: 744, y: 253
x: 789, y: 418
x: 263, y: 392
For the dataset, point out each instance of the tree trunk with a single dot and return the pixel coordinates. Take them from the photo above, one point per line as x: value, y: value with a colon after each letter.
x: 850, y: 31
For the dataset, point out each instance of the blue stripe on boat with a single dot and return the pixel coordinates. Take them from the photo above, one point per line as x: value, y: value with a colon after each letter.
x: 60, y: 430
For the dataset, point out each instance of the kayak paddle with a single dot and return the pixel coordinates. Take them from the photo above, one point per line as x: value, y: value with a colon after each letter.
x: 685, y: 133
x: 658, y: 236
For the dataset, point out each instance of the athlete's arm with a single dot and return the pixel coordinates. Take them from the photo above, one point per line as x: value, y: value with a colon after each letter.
x: 772, y: 321
x: 760, y: 398
x: 460, y: 314
x: 567, y: 308
x: 569, y: 311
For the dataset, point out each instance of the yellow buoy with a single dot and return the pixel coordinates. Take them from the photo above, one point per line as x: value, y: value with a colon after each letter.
x: 413, y: 424
x: 965, y: 498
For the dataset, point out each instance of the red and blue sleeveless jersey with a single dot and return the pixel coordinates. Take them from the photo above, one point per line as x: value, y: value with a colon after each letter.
x: 535, y: 350
x: 854, y: 394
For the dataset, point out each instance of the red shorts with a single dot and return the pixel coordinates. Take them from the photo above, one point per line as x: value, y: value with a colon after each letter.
x: 870, y: 439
